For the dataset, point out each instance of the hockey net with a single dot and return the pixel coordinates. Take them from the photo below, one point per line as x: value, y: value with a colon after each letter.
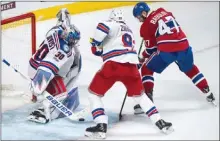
x: 18, y: 44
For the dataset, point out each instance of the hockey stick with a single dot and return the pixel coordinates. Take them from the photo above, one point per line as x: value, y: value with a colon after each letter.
x: 122, y: 106
x: 139, y: 51
x: 120, y: 114
x: 62, y: 108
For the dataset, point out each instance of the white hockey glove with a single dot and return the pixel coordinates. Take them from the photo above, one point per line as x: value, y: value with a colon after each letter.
x: 73, y: 72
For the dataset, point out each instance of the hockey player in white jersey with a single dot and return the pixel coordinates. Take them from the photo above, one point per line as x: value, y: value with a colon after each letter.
x: 113, y: 41
x: 55, y: 67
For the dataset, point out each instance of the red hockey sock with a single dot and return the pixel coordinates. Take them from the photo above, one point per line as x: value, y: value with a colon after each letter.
x: 147, y: 79
x: 197, y: 78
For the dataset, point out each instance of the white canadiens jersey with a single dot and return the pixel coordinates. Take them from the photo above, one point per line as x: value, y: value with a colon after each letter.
x: 117, y: 41
x: 53, y: 56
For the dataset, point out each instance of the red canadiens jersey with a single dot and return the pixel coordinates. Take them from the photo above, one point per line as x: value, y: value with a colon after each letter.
x: 160, y: 30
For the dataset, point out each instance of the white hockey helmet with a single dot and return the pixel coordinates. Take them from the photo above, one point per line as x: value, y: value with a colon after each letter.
x: 117, y: 15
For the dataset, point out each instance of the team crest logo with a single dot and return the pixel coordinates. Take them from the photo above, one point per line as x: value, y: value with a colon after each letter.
x: 66, y: 48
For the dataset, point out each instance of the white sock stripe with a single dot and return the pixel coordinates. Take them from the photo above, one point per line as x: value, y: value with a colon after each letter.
x: 148, y: 75
x: 199, y: 80
x: 148, y: 81
x: 152, y: 47
x: 195, y: 75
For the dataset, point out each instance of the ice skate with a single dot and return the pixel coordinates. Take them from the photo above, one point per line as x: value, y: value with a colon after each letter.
x: 97, y: 132
x: 210, y: 97
x: 38, y: 116
x: 138, y: 110
x: 164, y: 126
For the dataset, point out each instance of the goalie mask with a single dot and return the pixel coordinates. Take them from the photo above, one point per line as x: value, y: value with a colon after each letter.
x: 73, y: 36
x: 64, y: 18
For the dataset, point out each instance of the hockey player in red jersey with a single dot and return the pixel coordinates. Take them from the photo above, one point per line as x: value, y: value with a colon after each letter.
x: 166, y: 43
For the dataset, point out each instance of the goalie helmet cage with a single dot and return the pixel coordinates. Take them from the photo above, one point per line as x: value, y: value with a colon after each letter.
x: 32, y: 18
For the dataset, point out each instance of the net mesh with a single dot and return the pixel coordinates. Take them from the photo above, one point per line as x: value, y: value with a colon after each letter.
x: 16, y: 49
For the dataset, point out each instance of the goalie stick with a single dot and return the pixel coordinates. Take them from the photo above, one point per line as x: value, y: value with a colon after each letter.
x: 78, y: 116
x: 122, y: 106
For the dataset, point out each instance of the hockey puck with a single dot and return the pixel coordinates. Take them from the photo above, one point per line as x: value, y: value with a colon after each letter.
x: 81, y: 119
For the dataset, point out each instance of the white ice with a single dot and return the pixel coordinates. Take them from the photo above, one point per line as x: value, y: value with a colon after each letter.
x: 176, y: 98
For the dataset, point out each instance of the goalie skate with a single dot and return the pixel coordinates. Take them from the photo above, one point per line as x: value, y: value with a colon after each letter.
x: 38, y: 116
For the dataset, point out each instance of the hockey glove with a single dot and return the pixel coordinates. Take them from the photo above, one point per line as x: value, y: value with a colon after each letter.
x: 96, y: 47
x: 96, y: 51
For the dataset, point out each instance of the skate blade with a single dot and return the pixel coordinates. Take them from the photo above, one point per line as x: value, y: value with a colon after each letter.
x: 97, y: 135
x: 168, y: 130
x: 213, y: 103
x: 33, y: 119
x: 138, y: 113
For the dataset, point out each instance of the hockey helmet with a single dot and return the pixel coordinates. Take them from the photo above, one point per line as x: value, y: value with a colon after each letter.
x: 73, y: 36
x: 117, y: 15
x: 139, y: 8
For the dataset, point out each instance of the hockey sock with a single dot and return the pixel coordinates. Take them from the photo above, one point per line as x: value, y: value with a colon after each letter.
x: 197, y: 78
x: 148, y: 107
x: 97, y: 108
x: 147, y: 79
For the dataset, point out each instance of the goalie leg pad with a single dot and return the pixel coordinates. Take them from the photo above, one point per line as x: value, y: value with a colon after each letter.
x: 46, y: 112
x: 40, y: 82
x: 71, y: 102
x: 56, y: 86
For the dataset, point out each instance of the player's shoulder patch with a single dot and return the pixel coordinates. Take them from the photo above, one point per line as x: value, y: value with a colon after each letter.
x: 66, y: 48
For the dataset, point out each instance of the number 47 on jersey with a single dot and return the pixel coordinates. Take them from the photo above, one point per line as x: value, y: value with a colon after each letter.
x: 166, y: 26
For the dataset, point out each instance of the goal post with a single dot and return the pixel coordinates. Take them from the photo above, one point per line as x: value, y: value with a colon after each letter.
x: 33, y: 26
x: 18, y: 44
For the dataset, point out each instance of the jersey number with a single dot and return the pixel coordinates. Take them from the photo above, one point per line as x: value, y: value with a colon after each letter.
x: 164, y: 28
x: 59, y: 55
x: 127, y: 40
